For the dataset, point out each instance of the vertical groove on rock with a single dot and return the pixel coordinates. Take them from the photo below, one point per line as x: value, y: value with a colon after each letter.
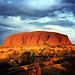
x: 59, y: 38
x: 39, y: 37
x: 23, y: 40
x: 25, y: 37
x: 47, y: 38
x: 30, y: 39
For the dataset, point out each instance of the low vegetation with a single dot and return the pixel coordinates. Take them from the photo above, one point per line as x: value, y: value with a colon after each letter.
x: 63, y: 55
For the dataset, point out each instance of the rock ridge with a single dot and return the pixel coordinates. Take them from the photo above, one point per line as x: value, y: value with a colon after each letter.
x: 37, y: 38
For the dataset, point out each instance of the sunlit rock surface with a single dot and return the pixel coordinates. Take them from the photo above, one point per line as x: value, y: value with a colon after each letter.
x: 37, y: 38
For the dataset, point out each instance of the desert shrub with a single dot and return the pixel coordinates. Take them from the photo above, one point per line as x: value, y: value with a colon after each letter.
x: 39, y: 59
x: 4, y: 65
x: 51, y: 71
x: 51, y: 55
x: 68, y: 58
x: 27, y: 58
x: 59, y: 46
x: 13, y: 63
x: 33, y: 57
x: 69, y: 67
x: 8, y: 63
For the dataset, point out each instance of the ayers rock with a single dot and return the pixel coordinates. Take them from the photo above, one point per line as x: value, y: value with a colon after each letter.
x: 37, y: 38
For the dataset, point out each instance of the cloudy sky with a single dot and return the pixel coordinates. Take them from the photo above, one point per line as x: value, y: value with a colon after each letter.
x: 30, y: 15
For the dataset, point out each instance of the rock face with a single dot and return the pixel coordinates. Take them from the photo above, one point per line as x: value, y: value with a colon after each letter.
x: 37, y: 38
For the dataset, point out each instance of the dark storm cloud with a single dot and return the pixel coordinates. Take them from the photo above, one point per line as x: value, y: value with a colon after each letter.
x: 28, y: 15
x: 69, y: 1
x: 30, y: 8
x: 4, y: 25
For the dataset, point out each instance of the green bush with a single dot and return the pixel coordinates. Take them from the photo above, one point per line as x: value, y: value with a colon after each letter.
x: 27, y: 58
